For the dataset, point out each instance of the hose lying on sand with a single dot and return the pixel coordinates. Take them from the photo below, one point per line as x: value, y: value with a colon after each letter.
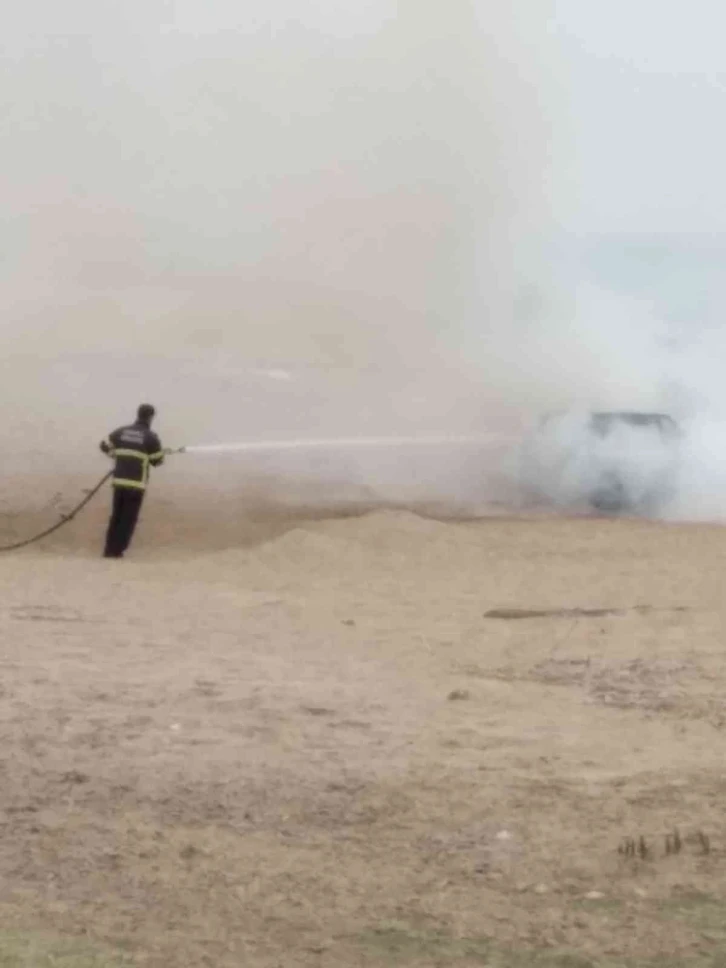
x: 63, y: 520
x: 66, y: 518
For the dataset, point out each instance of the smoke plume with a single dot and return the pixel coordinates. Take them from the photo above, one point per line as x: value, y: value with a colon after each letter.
x: 298, y: 219
x: 270, y: 219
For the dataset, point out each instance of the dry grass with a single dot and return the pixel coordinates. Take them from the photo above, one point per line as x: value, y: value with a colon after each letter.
x: 36, y: 951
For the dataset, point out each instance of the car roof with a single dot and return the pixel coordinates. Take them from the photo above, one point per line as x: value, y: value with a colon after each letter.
x: 602, y: 419
x: 631, y: 416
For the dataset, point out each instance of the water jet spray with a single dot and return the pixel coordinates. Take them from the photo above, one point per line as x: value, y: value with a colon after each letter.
x: 335, y: 443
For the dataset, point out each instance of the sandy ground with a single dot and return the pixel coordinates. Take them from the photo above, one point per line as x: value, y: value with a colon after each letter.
x: 267, y: 740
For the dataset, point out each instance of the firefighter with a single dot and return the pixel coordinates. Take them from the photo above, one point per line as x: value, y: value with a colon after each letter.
x: 134, y: 448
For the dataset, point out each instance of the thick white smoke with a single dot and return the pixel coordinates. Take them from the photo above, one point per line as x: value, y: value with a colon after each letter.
x: 618, y: 356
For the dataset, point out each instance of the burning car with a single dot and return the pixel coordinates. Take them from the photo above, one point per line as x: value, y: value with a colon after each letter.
x: 613, y: 462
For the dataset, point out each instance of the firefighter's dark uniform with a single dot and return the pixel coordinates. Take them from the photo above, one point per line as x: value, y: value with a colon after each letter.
x: 134, y: 448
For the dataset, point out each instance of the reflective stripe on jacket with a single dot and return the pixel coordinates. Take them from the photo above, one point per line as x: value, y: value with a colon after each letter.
x: 134, y: 448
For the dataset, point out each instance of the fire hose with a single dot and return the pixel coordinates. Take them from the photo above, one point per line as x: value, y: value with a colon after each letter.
x: 67, y: 518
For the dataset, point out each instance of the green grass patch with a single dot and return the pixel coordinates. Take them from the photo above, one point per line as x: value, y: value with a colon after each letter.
x: 395, y: 943
x: 398, y: 943
x: 37, y: 951
x: 704, y: 913
x: 607, y: 905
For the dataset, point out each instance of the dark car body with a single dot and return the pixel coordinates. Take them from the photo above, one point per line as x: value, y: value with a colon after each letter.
x: 612, y: 462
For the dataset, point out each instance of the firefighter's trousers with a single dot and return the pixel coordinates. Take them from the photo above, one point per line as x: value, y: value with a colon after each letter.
x: 127, y: 503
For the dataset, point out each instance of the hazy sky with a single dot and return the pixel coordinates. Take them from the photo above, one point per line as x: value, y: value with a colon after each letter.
x: 638, y: 135
x: 648, y: 99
